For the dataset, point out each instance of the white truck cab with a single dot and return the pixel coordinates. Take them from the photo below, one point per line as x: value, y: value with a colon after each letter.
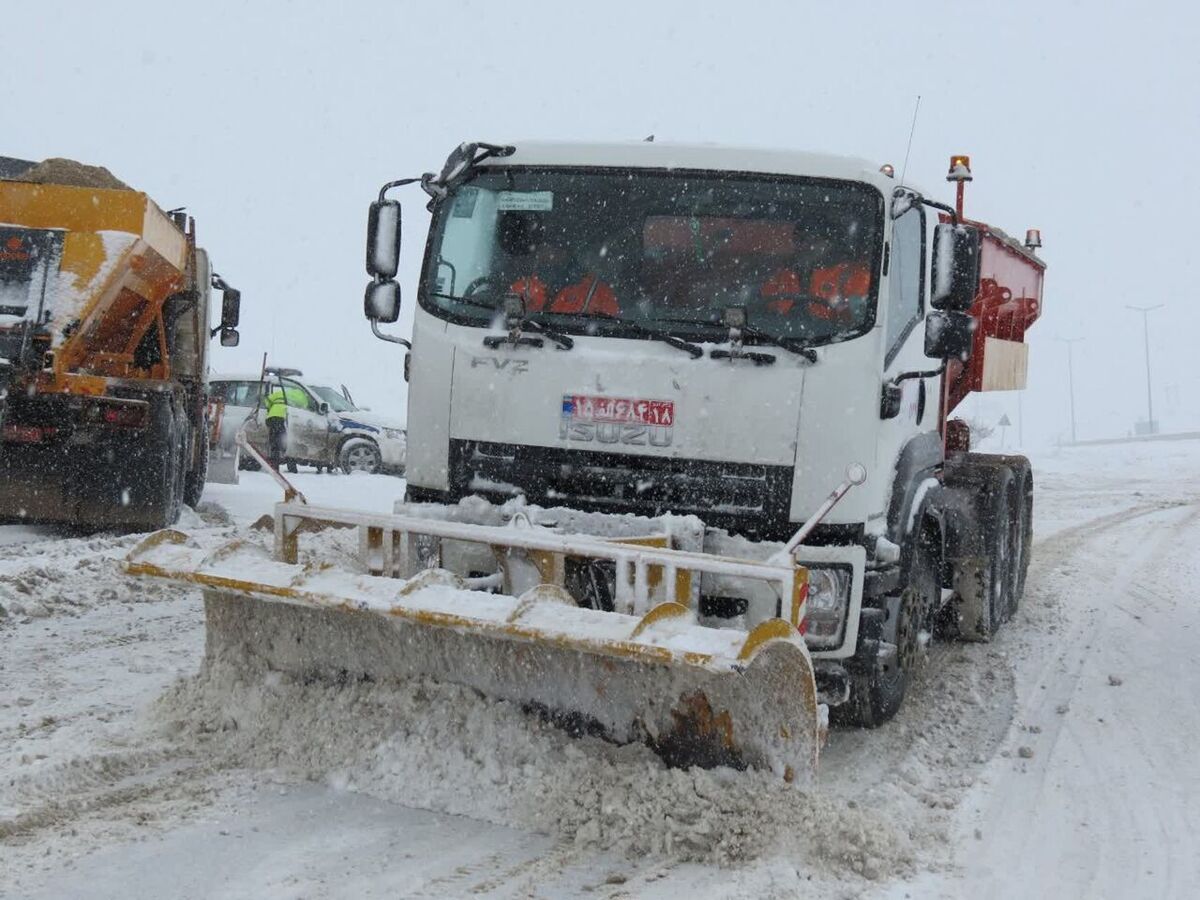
x: 652, y: 328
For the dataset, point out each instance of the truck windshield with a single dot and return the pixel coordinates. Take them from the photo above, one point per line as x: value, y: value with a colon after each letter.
x: 603, y: 251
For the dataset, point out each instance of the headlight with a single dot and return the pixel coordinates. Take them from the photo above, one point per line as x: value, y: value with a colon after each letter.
x: 393, y: 434
x: 828, y: 594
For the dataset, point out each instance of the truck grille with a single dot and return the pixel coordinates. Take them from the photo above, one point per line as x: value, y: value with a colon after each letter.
x: 739, y: 496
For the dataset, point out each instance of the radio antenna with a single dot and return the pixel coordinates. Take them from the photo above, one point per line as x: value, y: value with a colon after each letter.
x: 911, y: 132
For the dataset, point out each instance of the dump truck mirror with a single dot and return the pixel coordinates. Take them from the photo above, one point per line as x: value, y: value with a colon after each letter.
x: 955, y: 267
x: 230, y: 337
x: 949, y: 335
x: 383, y: 239
x: 382, y: 301
x: 231, y: 308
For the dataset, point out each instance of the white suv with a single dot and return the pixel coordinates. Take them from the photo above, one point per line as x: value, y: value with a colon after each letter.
x: 324, y: 427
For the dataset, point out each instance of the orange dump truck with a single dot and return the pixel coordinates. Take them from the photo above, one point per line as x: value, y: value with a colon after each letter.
x: 104, y: 332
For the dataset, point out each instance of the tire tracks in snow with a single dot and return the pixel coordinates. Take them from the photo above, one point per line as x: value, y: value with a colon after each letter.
x: 1076, y: 577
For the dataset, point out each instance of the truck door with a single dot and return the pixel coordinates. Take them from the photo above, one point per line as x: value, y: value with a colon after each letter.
x: 904, y: 336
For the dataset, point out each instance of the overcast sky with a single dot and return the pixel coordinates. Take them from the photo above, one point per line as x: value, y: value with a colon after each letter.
x: 275, y: 123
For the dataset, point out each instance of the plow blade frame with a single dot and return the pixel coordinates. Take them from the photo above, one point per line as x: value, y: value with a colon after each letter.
x: 697, y: 695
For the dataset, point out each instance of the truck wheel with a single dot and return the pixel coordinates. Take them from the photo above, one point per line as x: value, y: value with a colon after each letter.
x: 984, y: 580
x: 1022, y: 527
x: 359, y: 455
x: 1022, y: 520
x: 193, y: 486
x: 163, y: 468
x: 877, y: 693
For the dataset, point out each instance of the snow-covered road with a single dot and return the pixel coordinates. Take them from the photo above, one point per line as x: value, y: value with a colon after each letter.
x: 1056, y: 761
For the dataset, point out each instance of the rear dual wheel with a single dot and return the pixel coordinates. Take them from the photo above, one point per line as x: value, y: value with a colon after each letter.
x: 990, y: 573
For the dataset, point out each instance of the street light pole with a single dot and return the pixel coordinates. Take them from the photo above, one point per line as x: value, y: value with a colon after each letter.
x: 1145, y: 310
x: 1071, y: 380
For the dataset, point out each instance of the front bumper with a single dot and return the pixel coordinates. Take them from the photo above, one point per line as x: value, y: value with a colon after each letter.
x: 393, y: 452
x: 754, y: 603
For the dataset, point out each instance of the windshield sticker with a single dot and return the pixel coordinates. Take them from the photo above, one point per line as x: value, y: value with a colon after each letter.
x: 464, y: 202
x: 531, y: 201
x: 617, y: 420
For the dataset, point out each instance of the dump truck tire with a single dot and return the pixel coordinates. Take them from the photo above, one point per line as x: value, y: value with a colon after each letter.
x: 193, y: 486
x: 162, y: 470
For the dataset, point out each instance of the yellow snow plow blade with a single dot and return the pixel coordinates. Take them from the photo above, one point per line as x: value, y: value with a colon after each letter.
x: 697, y: 695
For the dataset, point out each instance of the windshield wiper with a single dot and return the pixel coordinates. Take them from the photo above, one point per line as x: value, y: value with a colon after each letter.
x: 666, y: 337
x: 493, y: 341
x: 540, y: 327
x: 791, y: 344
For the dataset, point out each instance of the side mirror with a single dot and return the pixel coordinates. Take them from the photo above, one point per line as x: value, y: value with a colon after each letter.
x: 955, y: 267
x: 323, y: 408
x: 903, y: 200
x: 231, y: 308
x: 382, y: 301
x: 949, y: 335
x: 383, y: 239
x: 230, y: 337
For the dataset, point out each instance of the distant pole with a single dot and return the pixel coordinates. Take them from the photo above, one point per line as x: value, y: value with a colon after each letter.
x: 1145, y: 310
x: 1071, y: 380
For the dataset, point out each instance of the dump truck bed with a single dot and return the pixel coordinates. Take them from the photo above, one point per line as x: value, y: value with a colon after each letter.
x: 108, y: 261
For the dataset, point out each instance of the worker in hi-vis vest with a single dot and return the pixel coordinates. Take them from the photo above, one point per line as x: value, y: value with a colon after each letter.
x: 276, y: 425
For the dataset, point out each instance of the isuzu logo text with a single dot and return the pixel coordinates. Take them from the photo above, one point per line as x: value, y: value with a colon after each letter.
x: 617, y: 420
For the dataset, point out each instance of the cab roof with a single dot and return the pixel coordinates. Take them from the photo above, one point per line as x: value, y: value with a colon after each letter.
x: 705, y: 157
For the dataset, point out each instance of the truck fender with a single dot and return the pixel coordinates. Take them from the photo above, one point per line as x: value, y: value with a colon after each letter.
x: 917, y: 463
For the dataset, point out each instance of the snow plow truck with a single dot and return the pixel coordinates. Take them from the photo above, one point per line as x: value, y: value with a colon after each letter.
x: 681, y: 466
x: 104, y: 332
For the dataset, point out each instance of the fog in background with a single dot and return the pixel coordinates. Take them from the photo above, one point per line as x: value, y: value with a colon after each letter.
x: 275, y: 124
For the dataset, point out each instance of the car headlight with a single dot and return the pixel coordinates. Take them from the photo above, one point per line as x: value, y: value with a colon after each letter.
x: 828, y: 597
x: 394, y: 434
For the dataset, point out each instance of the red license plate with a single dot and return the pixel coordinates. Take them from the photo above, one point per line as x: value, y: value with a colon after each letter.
x: 621, y: 410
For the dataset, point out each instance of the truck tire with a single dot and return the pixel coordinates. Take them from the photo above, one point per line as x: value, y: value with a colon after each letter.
x: 984, y: 578
x: 1022, y: 537
x: 1026, y: 500
x: 1022, y: 526
x: 163, y: 469
x: 359, y: 455
x: 877, y: 692
x: 193, y: 486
